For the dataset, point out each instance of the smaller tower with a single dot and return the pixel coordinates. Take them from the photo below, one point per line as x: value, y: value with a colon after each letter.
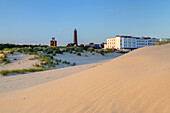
x: 53, y: 42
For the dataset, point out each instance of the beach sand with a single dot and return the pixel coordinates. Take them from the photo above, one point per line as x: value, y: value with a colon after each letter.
x: 137, y: 82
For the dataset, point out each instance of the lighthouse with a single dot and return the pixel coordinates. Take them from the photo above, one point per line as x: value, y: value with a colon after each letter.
x: 75, y: 37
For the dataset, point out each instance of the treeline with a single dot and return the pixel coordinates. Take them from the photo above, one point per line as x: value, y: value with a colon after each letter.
x: 2, y: 46
x: 162, y: 43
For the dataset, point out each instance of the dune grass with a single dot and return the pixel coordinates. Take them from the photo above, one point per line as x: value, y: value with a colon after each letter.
x: 21, y: 71
x: 73, y: 64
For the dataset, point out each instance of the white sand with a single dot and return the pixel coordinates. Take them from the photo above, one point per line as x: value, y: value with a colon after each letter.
x: 15, y: 82
x: 23, y: 61
x: 137, y: 82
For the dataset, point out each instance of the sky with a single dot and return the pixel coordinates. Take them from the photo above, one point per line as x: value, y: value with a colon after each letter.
x: 36, y: 21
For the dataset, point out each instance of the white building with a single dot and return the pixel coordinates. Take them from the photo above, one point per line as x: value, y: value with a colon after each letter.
x: 129, y: 42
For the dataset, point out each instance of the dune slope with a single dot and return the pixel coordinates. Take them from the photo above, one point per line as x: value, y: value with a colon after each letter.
x: 137, y: 82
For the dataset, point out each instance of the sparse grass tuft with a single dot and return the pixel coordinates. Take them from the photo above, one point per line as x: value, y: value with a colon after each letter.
x: 4, y: 72
x: 78, y: 54
x: 73, y: 64
x: 21, y: 71
x: 14, y: 58
x: 65, y: 62
x: 33, y: 58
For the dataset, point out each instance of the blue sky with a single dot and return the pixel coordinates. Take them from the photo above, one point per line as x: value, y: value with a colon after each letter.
x: 36, y: 21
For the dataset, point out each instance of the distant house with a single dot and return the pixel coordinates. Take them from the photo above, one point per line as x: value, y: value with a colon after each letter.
x: 53, y: 42
x: 71, y: 44
x: 95, y: 46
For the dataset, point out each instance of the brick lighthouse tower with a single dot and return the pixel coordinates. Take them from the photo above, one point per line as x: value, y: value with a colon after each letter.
x: 75, y: 37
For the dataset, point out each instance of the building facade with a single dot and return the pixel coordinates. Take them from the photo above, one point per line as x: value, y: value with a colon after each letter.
x: 128, y: 42
x: 53, y: 42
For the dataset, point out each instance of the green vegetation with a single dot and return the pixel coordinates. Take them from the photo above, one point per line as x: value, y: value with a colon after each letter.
x: 78, y: 54
x: 110, y: 50
x: 161, y: 43
x: 54, y: 54
x: 73, y: 64
x: 101, y: 51
x: 14, y: 58
x: 90, y: 49
x: 20, y: 71
x: 4, y: 59
x: 5, y: 55
x: 65, y: 62
x: 33, y: 58
x: 2, y: 46
x: 46, y: 55
x: 11, y: 51
x: 36, y: 65
x: 74, y: 52
x: 58, y: 61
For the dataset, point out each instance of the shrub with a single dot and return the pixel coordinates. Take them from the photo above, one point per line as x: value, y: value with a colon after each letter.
x: 110, y: 51
x: 90, y: 49
x: 38, y: 48
x: 79, y: 54
x: 51, y: 57
x: 37, y: 65
x: 35, y: 53
x: 58, y: 61
x: 11, y: 51
x: 58, y: 51
x: 4, y: 60
x: 4, y: 72
x: 53, y: 65
x: 1, y: 51
x: 65, y: 62
x: 6, y: 49
x: 33, y: 58
x: 27, y: 52
x: 74, y: 52
x: 96, y: 51
x: 14, y: 58
x: 19, y: 71
x: 19, y: 50
x: 78, y: 49
x: 73, y: 64
x: 54, y: 54
x: 50, y: 51
x: 5, y: 55
x: 101, y: 52
x: 8, y: 61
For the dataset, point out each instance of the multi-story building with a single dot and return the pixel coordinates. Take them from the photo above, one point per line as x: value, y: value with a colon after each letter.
x: 128, y: 42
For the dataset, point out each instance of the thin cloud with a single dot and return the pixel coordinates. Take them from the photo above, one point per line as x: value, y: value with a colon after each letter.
x: 111, y: 11
x: 132, y: 9
x: 58, y: 29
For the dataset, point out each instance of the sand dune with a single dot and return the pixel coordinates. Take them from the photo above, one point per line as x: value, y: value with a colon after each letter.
x: 137, y: 82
